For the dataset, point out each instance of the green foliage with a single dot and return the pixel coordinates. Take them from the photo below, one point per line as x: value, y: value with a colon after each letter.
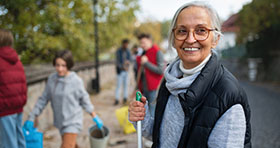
x: 260, y: 30
x: 165, y: 28
x: 117, y: 19
x: 150, y: 27
x: 256, y: 17
x: 41, y: 27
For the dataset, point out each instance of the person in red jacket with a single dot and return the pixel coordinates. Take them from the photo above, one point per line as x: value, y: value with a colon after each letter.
x: 150, y: 67
x: 13, y: 93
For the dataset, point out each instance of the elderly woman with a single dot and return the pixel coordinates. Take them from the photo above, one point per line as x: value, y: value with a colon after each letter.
x: 200, y: 103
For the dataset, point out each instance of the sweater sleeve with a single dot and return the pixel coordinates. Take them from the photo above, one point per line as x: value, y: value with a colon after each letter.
x: 40, y: 104
x: 160, y: 64
x: 229, y: 130
x: 85, y: 99
x: 147, y: 124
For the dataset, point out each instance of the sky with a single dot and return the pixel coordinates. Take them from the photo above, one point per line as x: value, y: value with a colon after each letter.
x: 165, y: 9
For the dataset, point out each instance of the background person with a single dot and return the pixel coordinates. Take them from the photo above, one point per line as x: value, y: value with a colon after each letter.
x: 123, y: 59
x: 66, y: 92
x: 136, y: 51
x: 151, y: 67
x: 13, y: 93
x: 200, y: 103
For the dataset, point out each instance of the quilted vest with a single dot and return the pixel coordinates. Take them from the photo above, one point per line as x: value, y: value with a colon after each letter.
x: 211, y: 94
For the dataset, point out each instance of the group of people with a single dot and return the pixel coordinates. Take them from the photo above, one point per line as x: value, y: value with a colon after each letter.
x: 194, y: 102
x: 148, y: 65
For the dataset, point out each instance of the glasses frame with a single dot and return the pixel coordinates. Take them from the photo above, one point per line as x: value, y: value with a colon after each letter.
x: 208, y: 30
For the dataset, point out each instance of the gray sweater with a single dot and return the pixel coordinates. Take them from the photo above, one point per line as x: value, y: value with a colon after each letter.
x: 228, y: 132
x: 68, y: 97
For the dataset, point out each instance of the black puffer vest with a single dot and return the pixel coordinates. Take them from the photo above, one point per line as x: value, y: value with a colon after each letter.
x: 211, y: 94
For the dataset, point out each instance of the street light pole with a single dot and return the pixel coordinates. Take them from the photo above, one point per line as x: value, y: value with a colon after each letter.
x: 96, y: 81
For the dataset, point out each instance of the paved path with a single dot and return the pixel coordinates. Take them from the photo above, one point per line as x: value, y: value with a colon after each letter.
x: 265, y: 115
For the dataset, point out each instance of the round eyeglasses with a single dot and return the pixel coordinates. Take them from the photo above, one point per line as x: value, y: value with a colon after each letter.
x: 199, y: 33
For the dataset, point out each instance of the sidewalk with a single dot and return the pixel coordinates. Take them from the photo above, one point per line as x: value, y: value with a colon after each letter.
x: 103, y: 103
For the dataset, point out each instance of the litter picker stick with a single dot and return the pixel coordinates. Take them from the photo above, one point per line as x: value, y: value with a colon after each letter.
x: 139, y: 128
x: 138, y: 76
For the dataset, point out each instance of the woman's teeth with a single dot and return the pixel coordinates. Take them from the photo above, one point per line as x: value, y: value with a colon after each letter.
x: 190, y: 49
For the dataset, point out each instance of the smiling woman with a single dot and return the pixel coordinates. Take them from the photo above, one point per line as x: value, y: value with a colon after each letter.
x: 199, y: 40
x: 200, y: 103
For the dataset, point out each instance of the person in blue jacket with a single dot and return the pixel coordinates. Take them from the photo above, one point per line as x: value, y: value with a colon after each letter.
x: 66, y: 92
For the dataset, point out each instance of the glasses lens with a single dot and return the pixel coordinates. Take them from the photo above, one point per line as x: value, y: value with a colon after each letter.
x: 201, y: 33
x: 180, y: 33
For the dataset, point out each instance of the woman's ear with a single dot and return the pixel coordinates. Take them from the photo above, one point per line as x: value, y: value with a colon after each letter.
x: 215, y: 42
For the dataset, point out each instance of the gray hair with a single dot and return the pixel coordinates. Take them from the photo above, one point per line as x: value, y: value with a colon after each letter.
x: 215, y: 20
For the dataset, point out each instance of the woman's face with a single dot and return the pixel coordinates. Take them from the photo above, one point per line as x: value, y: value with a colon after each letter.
x: 60, y: 67
x: 191, y: 51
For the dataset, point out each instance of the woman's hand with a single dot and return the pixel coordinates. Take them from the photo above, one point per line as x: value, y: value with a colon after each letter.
x: 137, y: 110
x: 28, y: 125
x: 97, y: 120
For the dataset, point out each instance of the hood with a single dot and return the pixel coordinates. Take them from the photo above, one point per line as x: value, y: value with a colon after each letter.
x: 66, y: 79
x: 9, y: 54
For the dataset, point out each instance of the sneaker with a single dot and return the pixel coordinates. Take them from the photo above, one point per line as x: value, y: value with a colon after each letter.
x: 116, y: 102
x: 124, y: 101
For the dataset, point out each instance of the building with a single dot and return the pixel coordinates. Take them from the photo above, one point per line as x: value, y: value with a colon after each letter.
x: 229, y: 30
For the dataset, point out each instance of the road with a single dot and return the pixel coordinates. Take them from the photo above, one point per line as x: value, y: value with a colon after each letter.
x: 265, y: 119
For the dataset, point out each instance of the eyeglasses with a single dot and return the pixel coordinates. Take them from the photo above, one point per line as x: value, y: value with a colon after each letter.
x: 199, y: 33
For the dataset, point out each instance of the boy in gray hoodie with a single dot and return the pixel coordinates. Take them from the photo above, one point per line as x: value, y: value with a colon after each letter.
x: 66, y: 92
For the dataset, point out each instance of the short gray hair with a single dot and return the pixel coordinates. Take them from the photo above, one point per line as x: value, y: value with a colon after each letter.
x: 215, y: 20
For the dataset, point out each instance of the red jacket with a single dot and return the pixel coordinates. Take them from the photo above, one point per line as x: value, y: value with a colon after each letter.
x: 13, y: 89
x: 153, y: 79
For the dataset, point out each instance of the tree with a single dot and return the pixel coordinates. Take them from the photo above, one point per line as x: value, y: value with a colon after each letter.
x: 257, y: 16
x: 41, y: 27
x: 260, y: 31
x: 150, y: 27
x: 165, y: 28
x: 117, y: 19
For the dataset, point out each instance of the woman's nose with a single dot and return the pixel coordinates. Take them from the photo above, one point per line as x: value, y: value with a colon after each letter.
x: 190, y: 38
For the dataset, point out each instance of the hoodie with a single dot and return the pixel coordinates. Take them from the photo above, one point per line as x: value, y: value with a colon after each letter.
x: 13, y: 90
x: 68, y: 98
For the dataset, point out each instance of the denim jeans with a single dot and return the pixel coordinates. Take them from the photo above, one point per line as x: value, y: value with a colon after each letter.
x: 151, y: 97
x: 122, y: 79
x: 11, y: 135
